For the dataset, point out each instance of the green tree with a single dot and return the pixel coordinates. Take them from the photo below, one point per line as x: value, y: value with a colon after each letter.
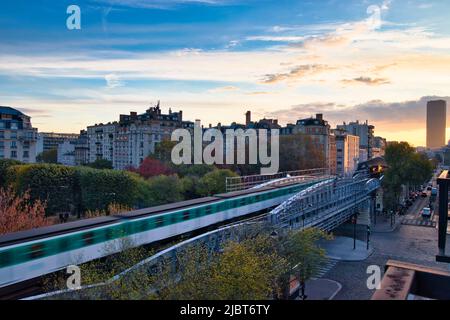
x: 246, y: 270
x: 164, y: 189
x: 303, y: 253
x: 4, y: 165
x: 193, y: 170
x: 241, y: 273
x: 49, y: 156
x: 101, y: 164
x: 163, y: 151
x: 406, y: 168
x: 214, y: 182
x: 50, y: 183
x: 188, y: 187
x: 299, y: 152
x: 97, y: 189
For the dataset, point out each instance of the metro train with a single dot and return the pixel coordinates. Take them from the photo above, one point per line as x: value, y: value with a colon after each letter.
x: 30, y: 254
x: 374, y: 167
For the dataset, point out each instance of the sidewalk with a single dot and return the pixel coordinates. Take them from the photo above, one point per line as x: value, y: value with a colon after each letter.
x: 383, y: 224
x: 322, y: 289
x: 341, y: 249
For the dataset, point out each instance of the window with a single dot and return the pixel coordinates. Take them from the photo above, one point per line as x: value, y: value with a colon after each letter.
x: 13, y: 154
x: 2, y: 144
x: 13, y: 144
x: 13, y: 135
x: 2, y: 134
x: 26, y: 154
x: 14, y: 126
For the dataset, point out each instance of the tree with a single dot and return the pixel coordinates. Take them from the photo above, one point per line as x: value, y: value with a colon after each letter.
x: 164, y: 189
x: 406, y: 167
x: 246, y: 270
x: 193, y: 170
x: 305, y: 257
x: 49, y: 156
x: 214, y: 182
x: 4, y: 165
x: 250, y: 269
x: 151, y: 167
x: 188, y: 187
x: 18, y: 213
x: 163, y: 151
x: 100, y: 164
x: 299, y: 152
x: 97, y: 189
x: 241, y: 273
x: 51, y: 183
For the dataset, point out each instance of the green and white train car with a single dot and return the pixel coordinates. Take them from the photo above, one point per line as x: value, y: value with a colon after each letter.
x: 31, y: 254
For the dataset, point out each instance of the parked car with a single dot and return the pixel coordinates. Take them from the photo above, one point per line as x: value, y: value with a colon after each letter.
x: 426, y: 212
x: 424, y: 195
x: 429, y: 188
x: 434, y: 192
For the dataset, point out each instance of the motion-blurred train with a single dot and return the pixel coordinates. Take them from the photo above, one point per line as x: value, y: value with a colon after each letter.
x: 30, y: 254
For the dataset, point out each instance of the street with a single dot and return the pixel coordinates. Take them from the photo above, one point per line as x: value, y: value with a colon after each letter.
x: 414, y: 240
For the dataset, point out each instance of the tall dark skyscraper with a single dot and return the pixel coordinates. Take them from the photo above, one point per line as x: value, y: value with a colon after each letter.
x: 436, y: 123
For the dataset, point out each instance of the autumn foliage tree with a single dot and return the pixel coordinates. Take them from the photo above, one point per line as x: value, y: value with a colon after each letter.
x: 18, y: 213
x: 151, y: 167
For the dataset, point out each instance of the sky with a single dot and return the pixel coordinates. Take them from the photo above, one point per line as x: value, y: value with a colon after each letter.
x: 351, y: 60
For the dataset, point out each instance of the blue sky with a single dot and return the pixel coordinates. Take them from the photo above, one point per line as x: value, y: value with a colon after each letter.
x: 217, y: 58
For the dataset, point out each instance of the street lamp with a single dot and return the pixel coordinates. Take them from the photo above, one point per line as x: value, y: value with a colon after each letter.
x: 354, y: 230
x: 392, y: 217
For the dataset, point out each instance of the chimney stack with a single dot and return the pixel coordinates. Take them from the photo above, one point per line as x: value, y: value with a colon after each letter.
x: 319, y: 116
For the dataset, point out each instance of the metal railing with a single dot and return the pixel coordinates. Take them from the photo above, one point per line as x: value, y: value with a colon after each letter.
x: 247, y: 182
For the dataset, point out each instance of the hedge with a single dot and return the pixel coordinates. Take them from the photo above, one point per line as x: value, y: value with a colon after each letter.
x: 73, y: 189
x: 99, y: 188
x: 52, y: 183
x: 4, y: 165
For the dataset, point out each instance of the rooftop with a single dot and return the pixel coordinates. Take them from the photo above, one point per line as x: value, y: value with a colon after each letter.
x: 10, y: 111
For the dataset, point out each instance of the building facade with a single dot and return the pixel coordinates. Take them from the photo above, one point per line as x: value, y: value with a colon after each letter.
x: 51, y: 140
x: 82, y: 149
x: 379, y: 147
x: 320, y: 132
x: 134, y: 137
x: 436, y: 123
x: 347, y: 152
x: 66, y: 153
x: 18, y: 138
x: 365, y: 132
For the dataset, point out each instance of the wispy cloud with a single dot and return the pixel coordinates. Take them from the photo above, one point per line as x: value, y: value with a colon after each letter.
x: 366, y: 80
x: 296, y: 73
x: 113, y: 81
